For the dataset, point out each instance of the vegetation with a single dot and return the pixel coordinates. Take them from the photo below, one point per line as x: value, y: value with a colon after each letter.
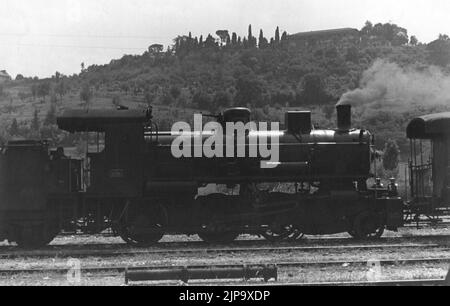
x: 208, y: 74
x: 391, y: 157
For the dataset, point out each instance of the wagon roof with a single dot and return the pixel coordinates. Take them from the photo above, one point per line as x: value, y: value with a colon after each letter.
x: 96, y: 120
x: 429, y: 126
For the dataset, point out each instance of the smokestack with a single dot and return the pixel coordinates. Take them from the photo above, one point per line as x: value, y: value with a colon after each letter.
x: 344, y: 117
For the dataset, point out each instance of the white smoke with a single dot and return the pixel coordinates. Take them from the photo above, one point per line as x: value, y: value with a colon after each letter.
x: 387, y: 83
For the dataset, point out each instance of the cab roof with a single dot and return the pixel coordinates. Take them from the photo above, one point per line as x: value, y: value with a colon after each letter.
x: 429, y: 126
x: 97, y: 120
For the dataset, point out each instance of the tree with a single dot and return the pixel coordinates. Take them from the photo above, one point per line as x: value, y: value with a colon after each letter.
x: 61, y: 88
x: 277, y: 35
x: 148, y: 97
x: 328, y: 111
x: 125, y: 88
x: 19, y: 77
x: 413, y: 41
x: 14, y: 128
x: 224, y: 36
x: 401, y: 37
x: 34, y: 90
x: 202, y: 100
x: 249, y: 90
x: 53, y: 99
x: 263, y: 43
x: 155, y: 49
x: 367, y: 30
x: 352, y: 54
x: 222, y: 99
x: 35, y: 123
x: 234, y: 39
x: 391, y: 155
x: 210, y: 42
x: 116, y: 101
x: 50, y: 118
x: 251, y: 41
x: 43, y: 89
x: 313, y: 90
x: 22, y: 96
x: 175, y: 91
x: 439, y: 51
x: 86, y: 94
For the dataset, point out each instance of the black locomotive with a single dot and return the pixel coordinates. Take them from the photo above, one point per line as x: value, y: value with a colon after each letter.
x: 130, y: 183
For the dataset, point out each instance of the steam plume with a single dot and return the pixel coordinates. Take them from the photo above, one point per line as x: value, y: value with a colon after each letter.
x: 389, y: 84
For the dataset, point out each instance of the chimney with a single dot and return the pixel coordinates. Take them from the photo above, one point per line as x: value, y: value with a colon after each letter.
x: 344, y: 117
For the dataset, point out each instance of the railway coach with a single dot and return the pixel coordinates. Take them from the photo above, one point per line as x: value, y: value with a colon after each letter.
x: 429, y: 168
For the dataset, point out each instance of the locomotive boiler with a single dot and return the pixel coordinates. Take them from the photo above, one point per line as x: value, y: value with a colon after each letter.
x: 131, y: 182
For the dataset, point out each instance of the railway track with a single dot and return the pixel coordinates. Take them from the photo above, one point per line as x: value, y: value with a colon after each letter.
x: 327, y: 241
x: 383, y: 283
x: 282, y: 265
x: 229, y: 250
x: 386, y: 283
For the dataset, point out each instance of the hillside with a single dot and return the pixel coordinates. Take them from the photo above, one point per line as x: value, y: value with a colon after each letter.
x: 267, y: 75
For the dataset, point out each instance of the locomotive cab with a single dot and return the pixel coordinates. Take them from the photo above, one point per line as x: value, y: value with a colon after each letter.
x: 117, y: 169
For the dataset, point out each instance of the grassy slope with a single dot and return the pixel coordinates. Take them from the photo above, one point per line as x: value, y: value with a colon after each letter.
x: 275, y: 71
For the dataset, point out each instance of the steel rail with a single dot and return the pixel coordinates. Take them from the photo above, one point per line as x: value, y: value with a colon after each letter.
x: 256, y: 242
x: 303, y: 264
x: 383, y: 283
x: 274, y: 249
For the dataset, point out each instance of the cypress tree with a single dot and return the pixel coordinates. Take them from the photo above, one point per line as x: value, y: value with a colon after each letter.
x: 234, y: 39
x: 262, y: 40
x: 251, y: 40
x: 277, y: 35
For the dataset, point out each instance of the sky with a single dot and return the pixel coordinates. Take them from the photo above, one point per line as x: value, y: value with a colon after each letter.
x: 40, y: 37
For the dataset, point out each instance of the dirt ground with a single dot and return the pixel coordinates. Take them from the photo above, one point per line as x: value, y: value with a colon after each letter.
x: 345, y: 272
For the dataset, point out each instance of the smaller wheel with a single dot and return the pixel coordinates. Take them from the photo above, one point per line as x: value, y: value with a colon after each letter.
x: 367, y: 226
x: 218, y: 237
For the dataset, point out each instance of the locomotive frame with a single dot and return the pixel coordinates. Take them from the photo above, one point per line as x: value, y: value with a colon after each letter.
x: 133, y: 186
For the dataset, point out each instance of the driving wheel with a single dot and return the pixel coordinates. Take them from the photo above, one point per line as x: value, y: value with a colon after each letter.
x: 146, y: 227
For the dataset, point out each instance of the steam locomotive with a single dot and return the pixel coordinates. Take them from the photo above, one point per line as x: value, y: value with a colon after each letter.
x: 130, y: 183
